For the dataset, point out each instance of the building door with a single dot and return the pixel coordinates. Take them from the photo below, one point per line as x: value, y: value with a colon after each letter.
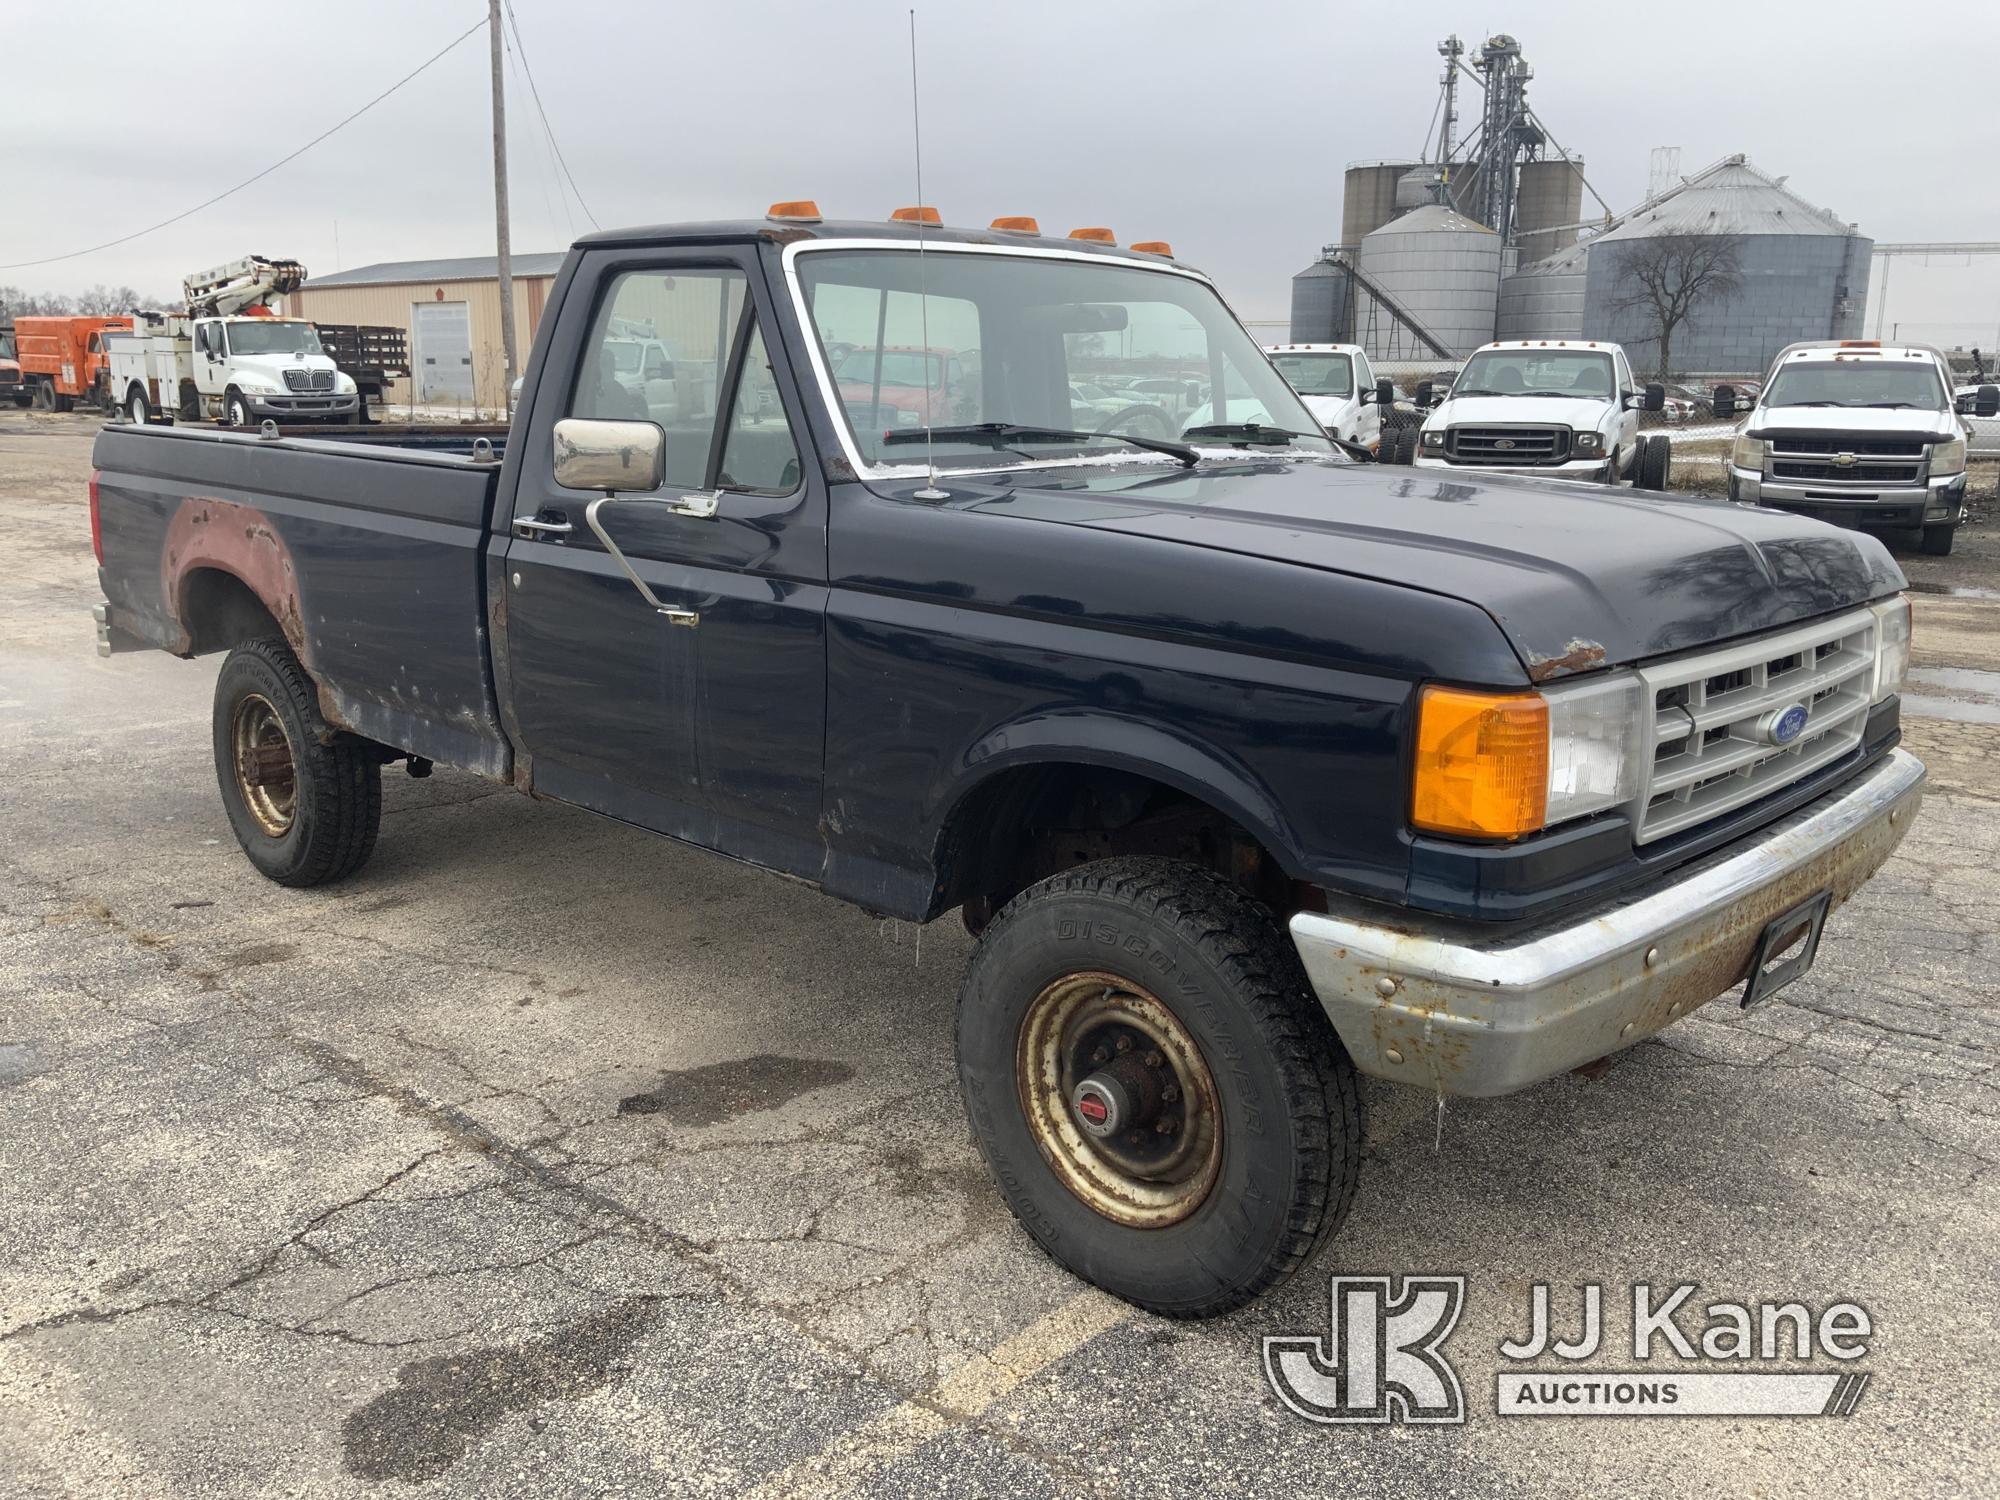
x: 443, y: 336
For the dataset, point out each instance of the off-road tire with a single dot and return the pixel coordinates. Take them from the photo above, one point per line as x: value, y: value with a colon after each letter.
x: 337, y: 799
x: 1937, y: 539
x: 1655, y: 459
x: 1286, y: 1095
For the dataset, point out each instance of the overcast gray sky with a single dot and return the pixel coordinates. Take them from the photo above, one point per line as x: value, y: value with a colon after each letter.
x: 1220, y: 126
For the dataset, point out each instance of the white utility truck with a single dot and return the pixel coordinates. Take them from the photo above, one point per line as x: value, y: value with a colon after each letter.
x: 1548, y: 409
x: 1338, y: 386
x: 1859, y: 433
x: 228, y: 357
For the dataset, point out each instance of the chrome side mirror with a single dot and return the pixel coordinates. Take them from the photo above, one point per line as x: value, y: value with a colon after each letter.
x: 593, y: 453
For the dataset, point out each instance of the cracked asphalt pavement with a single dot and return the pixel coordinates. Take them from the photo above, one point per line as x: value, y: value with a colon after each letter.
x: 547, y: 1157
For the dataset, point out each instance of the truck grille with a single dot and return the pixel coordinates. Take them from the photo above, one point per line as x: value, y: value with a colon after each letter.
x: 1503, y: 446
x: 308, y: 380
x: 1871, y: 447
x: 1712, y: 749
x: 1860, y: 471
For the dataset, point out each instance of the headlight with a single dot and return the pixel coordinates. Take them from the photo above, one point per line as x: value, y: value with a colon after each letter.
x: 1948, y: 457
x: 1433, y: 439
x: 1747, y: 453
x: 1588, y: 444
x: 251, y: 385
x: 1501, y: 765
x: 1892, y: 647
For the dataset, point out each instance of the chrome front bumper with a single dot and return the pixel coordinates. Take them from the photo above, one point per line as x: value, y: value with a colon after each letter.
x: 1587, y: 470
x: 1937, y: 499
x: 1458, y: 1009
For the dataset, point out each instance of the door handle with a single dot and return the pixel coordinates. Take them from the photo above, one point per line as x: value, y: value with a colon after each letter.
x: 674, y: 616
x: 530, y: 529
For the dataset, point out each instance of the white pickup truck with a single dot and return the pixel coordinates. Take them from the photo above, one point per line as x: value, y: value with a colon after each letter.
x: 1338, y: 386
x: 1860, y: 434
x: 1548, y: 409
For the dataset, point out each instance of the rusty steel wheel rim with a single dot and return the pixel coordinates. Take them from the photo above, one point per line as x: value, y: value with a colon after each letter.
x: 261, y: 753
x: 1119, y: 1099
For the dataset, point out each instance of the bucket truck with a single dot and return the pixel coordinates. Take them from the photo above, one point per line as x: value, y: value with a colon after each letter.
x: 228, y: 357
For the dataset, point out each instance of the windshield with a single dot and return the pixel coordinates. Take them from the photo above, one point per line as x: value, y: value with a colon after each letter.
x: 271, y: 336
x: 1858, y: 381
x: 1317, y: 374
x: 1066, y: 354
x: 1583, y: 373
x: 899, y: 367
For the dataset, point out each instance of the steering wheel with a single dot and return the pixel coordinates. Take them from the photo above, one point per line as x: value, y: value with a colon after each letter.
x: 1144, y: 420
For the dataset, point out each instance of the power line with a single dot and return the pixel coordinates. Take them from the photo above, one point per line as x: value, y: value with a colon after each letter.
x: 50, y: 260
x: 521, y: 51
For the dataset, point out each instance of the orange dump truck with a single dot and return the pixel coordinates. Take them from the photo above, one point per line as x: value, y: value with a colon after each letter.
x: 63, y: 360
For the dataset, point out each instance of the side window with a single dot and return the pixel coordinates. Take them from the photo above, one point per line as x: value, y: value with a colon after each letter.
x: 757, y: 448
x: 1624, y: 373
x: 687, y: 319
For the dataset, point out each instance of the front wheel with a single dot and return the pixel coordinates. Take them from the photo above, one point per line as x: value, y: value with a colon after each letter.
x: 304, y: 800
x: 237, y: 411
x: 1937, y: 539
x: 1163, y: 1103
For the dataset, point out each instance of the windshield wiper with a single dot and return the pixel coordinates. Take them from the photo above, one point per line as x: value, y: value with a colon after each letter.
x: 1566, y: 395
x: 1006, y: 434
x: 1248, y: 432
x: 1889, y: 404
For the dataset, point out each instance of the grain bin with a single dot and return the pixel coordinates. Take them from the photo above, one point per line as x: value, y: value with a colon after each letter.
x: 1440, y: 268
x: 1368, y: 198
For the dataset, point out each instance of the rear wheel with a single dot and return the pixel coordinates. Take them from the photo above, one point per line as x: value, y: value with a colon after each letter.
x: 45, y: 395
x: 1655, y: 457
x: 1937, y: 539
x: 1163, y: 1103
x: 304, y: 800
x: 138, y: 408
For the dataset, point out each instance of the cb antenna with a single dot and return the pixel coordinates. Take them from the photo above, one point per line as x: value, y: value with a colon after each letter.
x: 930, y: 491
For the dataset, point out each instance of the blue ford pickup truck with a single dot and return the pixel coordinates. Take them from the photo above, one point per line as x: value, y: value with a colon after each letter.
x: 872, y: 554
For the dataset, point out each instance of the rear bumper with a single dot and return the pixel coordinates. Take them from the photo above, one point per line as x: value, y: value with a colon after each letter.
x: 1459, y: 1009
x: 1941, y: 499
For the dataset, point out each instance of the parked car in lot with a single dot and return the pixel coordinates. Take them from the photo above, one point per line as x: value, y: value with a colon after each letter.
x: 1252, y: 768
x: 1550, y: 408
x: 1859, y: 434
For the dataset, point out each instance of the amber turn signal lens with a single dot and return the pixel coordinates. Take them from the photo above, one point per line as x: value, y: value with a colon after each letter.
x: 803, y: 210
x: 923, y: 213
x: 1482, y: 763
x: 1097, y: 236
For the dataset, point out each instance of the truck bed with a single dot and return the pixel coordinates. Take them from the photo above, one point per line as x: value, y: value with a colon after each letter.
x: 368, y: 548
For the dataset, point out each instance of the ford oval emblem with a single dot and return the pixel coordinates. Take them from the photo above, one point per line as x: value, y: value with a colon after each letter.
x: 1504, y: 443
x: 1789, y: 725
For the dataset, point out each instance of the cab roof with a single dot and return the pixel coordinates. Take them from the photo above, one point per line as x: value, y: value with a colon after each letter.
x: 1821, y: 351
x: 790, y: 231
x: 1312, y: 348
x: 1601, y: 344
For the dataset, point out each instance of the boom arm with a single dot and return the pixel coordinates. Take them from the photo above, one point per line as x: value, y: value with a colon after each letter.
x: 249, y: 282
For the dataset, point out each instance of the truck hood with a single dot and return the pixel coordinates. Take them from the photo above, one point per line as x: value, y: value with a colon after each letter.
x: 1327, y: 410
x: 1538, y: 411
x: 1575, y: 576
x: 1862, y: 421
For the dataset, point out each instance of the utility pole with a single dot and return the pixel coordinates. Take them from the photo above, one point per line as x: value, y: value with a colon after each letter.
x: 502, y: 239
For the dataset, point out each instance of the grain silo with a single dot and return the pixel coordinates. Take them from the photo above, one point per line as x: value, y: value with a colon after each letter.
x: 1545, y: 300
x: 1441, y: 269
x: 1803, y: 273
x: 1548, y: 207
x: 1368, y: 198
x: 1321, y: 304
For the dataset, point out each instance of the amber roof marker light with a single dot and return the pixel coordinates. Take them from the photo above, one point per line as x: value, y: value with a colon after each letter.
x: 921, y: 213
x: 1153, y: 247
x: 795, y: 211
x: 1015, y: 224
x: 1097, y: 235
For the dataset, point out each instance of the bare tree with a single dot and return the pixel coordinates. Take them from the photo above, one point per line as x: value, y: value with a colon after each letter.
x: 1667, y: 277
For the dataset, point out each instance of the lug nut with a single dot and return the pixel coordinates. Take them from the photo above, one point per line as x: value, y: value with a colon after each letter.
x: 1101, y: 1056
x: 1171, y: 1092
x: 1153, y: 1059
x: 1124, y: 1044
x: 1166, y: 1127
x: 1135, y: 1139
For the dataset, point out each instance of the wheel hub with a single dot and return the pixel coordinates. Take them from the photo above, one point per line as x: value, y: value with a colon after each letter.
x: 261, y: 754
x: 1121, y: 1102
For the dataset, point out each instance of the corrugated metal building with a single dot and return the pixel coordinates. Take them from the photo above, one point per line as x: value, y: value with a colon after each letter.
x: 450, y: 310
x: 1804, y: 272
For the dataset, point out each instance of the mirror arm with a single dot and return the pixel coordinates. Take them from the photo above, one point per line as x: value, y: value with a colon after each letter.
x: 674, y: 616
